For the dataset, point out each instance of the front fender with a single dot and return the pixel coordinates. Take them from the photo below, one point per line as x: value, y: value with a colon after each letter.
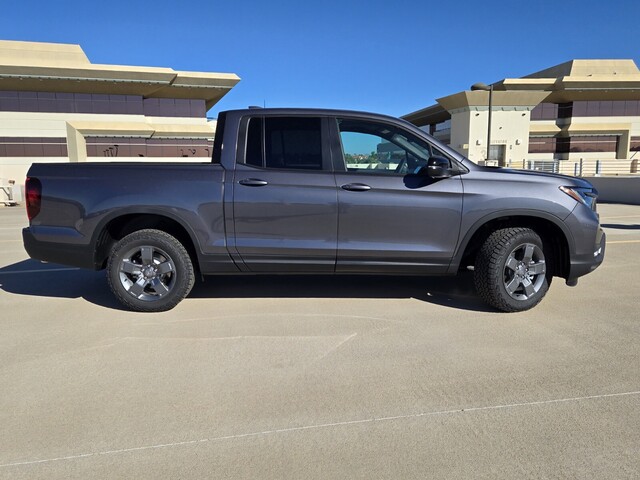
x: 510, y: 214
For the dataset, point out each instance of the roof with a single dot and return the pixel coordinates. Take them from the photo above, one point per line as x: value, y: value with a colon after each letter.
x: 588, y: 68
x: 54, y: 67
x: 319, y: 112
x: 582, y: 80
x: 316, y: 112
x: 617, y: 79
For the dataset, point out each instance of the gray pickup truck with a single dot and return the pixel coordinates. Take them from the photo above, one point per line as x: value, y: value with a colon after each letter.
x: 296, y: 191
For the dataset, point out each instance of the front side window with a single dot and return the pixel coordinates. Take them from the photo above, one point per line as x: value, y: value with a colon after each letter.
x: 370, y: 147
x: 284, y: 143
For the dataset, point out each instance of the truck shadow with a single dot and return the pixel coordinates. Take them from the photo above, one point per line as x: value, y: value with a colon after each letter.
x: 455, y: 292
x: 32, y: 278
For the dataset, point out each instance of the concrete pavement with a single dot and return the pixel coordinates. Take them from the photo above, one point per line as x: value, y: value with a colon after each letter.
x: 306, y: 377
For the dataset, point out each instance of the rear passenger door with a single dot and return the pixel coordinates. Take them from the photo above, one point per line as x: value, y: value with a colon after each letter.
x: 284, y: 195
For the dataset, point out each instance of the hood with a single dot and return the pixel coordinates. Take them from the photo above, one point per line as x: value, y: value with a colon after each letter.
x: 562, y: 179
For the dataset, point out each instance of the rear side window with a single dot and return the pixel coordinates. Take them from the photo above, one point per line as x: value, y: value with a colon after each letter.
x: 255, y: 152
x: 284, y: 143
x: 217, y: 139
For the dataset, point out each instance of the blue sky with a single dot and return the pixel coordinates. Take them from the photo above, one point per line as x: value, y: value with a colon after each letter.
x: 391, y: 57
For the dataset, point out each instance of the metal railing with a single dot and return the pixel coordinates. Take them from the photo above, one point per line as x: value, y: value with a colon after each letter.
x: 581, y: 167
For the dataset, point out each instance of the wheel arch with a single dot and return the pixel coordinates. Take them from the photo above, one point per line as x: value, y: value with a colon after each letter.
x: 554, y: 234
x: 116, y: 227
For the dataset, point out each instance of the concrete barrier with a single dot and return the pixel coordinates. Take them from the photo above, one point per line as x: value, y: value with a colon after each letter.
x: 617, y: 189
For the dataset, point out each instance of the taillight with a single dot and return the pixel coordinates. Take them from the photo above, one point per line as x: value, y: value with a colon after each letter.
x: 33, y: 192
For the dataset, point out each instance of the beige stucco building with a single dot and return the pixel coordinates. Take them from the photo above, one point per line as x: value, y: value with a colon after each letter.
x: 580, y: 117
x: 55, y: 105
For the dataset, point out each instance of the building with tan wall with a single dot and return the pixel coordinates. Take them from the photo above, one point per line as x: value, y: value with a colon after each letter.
x: 55, y: 105
x: 580, y: 117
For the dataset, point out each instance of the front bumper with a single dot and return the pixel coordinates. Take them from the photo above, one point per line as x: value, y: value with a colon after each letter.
x: 583, y: 264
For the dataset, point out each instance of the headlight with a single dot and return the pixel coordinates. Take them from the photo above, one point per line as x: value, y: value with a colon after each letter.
x: 582, y: 195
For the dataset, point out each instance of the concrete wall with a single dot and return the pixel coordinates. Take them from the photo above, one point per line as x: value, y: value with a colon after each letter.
x: 58, y: 125
x: 617, y: 189
x: 510, y: 127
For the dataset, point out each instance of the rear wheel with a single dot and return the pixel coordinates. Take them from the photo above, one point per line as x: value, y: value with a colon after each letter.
x: 150, y: 271
x: 511, y: 271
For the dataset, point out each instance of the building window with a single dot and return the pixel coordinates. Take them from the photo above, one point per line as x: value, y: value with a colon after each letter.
x: 45, y: 102
x: 601, y: 108
x: 545, y: 111
x: 563, y: 144
x: 565, y: 110
x: 174, y: 107
x: 595, y: 143
x: 615, y: 108
x: 124, y: 147
x: 33, y: 147
x: 542, y: 145
x: 576, y: 144
x: 634, y: 144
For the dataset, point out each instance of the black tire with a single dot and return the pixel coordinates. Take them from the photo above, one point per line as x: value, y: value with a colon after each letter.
x: 511, y: 272
x: 150, y: 271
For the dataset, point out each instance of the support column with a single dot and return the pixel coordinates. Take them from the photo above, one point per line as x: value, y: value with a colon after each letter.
x: 76, y: 145
x: 624, y: 145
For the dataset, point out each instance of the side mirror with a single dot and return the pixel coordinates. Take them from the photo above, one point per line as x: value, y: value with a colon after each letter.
x: 439, y: 167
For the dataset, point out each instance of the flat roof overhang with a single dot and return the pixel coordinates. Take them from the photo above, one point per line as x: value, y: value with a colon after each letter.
x: 578, y: 88
x: 119, y: 80
x: 143, y: 129
x: 474, y: 99
x: 427, y: 116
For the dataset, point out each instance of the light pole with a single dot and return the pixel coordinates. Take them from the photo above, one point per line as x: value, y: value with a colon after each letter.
x: 486, y: 88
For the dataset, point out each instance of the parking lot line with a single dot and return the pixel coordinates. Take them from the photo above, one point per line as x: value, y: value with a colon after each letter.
x: 326, y: 425
x: 609, y: 242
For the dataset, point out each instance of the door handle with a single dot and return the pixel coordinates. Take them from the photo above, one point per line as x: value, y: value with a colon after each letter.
x: 356, y: 187
x: 253, y: 182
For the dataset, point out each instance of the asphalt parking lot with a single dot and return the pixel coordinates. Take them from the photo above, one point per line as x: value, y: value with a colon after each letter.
x: 320, y: 377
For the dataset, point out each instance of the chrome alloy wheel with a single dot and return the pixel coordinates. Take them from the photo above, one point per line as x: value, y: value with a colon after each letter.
x: 524, y: 271
x: 147, y: 273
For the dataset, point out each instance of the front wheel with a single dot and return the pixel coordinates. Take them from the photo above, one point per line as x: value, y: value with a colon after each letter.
x: 150, y: 271
x: 511, y: 271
